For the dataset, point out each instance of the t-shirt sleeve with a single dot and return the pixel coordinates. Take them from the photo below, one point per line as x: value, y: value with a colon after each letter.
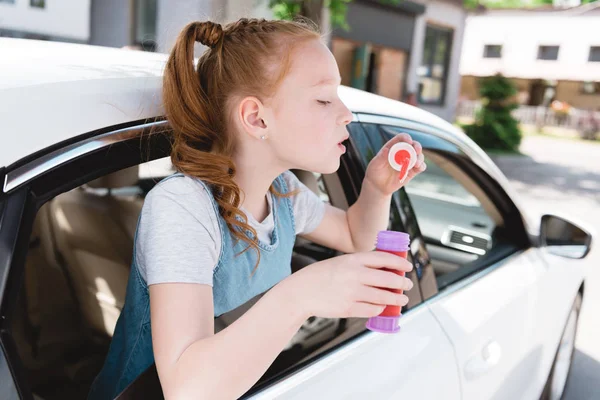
x: 309, y: 209
x: 178, y: 238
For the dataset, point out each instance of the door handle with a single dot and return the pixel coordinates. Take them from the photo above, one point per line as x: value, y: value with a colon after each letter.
x: 482, y: 362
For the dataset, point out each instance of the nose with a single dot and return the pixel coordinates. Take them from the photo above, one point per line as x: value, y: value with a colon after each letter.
x: 345, y: 116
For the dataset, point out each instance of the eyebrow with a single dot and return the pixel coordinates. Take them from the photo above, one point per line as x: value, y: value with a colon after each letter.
x: 328, y: 81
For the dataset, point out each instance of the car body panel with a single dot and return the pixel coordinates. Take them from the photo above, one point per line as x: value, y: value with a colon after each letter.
x: 506, y: 324
x: 380, y: 366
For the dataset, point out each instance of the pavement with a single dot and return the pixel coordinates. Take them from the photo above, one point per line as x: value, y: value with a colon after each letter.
x: 563, y: 176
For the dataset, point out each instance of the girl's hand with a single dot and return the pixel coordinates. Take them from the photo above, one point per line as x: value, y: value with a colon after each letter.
x: 381, y: 176
x: 349, y: 285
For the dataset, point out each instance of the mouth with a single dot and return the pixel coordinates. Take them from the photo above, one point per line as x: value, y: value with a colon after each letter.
x: 341, y: 145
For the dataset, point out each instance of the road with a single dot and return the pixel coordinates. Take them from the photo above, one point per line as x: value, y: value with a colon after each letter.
x: 564, y: 175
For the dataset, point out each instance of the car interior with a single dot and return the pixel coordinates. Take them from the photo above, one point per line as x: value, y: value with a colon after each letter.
x: 76, y: 275
x: 457, y: 219
x: 80, y: 253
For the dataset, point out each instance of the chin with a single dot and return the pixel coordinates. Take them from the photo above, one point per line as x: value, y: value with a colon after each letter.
x: 327, y: 165
x: 328, y: 168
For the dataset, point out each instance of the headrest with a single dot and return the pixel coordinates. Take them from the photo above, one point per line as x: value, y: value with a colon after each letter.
x: 123, y: 178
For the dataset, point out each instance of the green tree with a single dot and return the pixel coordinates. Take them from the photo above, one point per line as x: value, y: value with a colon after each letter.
x: 311, y: 9
x: 495, y: 128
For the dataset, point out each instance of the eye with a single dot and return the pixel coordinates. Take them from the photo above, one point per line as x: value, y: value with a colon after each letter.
x: 323, y: 102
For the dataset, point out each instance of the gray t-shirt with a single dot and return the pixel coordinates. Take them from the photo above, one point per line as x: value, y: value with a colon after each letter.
x: 179, y: 238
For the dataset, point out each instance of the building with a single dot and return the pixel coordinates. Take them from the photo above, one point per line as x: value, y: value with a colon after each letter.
x: 408, y: 51
x: 410, y: 48
x: 67, y: 20
x: 550, y: 53
x: 152, y: 25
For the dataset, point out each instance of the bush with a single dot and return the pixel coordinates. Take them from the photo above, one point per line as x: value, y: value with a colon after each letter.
x: 494, y: 127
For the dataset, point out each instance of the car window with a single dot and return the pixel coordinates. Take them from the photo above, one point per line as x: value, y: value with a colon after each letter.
x: 81, y: 245
x: 455, y: 218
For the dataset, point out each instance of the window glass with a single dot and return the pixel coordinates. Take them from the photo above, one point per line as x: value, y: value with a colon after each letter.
x: 145, y: 29
x: 590, y: 87
x: 456, y: 228
x: 548, y: 53
x: 492, y: 51
x: 594, y: 54
x: 433, y: 70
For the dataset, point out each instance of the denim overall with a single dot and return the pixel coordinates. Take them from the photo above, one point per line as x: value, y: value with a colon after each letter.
x: 130, y: 351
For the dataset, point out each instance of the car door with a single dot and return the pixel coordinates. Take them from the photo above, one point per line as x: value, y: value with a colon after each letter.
x: 494, y: 297
x: 32, y: 361
x: 10, y: 213
x: 416, y: 363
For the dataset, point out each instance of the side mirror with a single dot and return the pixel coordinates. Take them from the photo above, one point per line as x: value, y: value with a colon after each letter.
x: 563, y: 238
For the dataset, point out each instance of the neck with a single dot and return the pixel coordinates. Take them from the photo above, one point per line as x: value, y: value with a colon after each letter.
x: 254, y: 180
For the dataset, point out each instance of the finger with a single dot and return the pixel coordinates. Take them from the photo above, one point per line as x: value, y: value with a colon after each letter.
x: 381, y: 259
x: 381, y: 296
x: 420, y: 161
x: 385, y: 279
x: 401, y: 137
x: 365, y: 310
x: 418, y: 147
x: 413, y: 173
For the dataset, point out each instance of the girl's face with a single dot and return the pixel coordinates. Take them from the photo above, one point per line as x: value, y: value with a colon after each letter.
x: 306, y: 118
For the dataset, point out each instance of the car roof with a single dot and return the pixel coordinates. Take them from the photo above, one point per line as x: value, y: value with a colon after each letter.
x: 52, y: 91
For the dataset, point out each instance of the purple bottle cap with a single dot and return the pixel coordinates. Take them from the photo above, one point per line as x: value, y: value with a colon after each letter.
x: 393, y: 241
x: 384, y: 324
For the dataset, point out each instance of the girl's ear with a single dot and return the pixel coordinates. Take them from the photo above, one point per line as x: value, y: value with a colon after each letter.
x: 251, y: 116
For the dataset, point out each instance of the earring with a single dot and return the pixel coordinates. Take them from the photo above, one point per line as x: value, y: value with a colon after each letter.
x: 263, y: 137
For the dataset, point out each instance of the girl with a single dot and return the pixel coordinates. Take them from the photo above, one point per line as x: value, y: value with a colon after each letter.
x: 263, y: 100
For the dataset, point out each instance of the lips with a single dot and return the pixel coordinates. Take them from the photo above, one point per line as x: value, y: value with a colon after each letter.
x: 343, y: 140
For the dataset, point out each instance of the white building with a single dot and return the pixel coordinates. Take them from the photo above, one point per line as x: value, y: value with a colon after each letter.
x: 550, y: 53
x: 66, y: 19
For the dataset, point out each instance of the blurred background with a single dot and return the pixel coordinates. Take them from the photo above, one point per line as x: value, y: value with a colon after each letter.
x: 521, y: 78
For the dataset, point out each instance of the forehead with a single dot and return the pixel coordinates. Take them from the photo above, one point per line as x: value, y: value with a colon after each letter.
x: 312, y: 63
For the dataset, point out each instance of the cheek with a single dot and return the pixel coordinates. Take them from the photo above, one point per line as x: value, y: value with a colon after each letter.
x: 307, y: 127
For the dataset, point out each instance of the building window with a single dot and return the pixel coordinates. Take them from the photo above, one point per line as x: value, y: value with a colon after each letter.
x: 37, y: 3
x: 8, y: 1
x: 547, y: 53
x: 590, y: 87
x: 145, y: 29
x: 492, y: 51
x: 433, y: 72
x: 594, y: 54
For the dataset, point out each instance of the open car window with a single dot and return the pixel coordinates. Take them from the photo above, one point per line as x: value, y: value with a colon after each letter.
x: 461, y: 225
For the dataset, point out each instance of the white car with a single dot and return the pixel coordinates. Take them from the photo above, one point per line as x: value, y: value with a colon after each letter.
x: 493, y: 312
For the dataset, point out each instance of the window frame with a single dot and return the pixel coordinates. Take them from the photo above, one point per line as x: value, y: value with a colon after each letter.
x: 13, y: 236
x: 32, y: 181
x: 487, y: 50
x: 513, y: 218
x: 542, y: 47
x: 596, y: 86
x: 437, y: 32
x: 38, y: 5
